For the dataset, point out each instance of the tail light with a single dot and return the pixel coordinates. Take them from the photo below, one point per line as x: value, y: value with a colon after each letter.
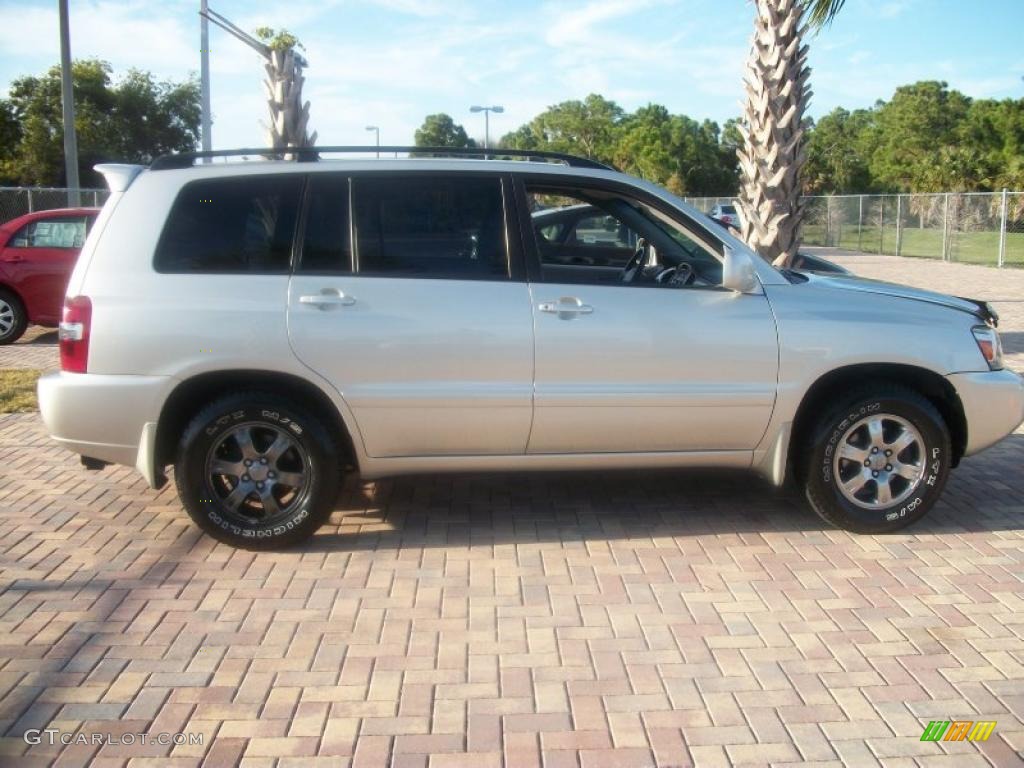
x: 990, y: 345
x: 74, y: 334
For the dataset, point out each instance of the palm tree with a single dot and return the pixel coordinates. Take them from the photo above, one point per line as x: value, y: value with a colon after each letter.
x: 289, y: 115
x: 777, y: 93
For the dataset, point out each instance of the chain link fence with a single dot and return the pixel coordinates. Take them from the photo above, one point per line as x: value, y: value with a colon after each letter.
x: 17, y: 201
x: 969, y: 227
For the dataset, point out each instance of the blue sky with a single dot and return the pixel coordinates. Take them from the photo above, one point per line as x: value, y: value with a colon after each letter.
x: 390, y: 62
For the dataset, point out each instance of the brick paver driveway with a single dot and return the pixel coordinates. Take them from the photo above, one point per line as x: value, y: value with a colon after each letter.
x: 614, y: 619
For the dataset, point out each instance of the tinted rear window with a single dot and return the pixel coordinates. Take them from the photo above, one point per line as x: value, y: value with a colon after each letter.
x: 431, y: 227
x: 231, y: 225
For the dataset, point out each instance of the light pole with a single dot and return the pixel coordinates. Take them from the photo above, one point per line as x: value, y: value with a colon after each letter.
x: 487, y: 120
x: 376, y: 130
x: 206, y: 120
x: 68, y: 108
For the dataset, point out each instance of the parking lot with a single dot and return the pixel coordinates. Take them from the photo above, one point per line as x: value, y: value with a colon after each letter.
x: 570, y: 619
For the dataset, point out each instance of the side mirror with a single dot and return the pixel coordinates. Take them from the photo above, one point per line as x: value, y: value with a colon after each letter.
x: 738, y: 272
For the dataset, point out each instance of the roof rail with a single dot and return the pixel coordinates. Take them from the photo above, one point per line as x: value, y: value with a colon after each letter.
x: 311, y: 154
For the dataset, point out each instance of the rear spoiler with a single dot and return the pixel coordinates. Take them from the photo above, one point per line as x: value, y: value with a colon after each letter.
x: 119, y: 176
x: 985, y: 311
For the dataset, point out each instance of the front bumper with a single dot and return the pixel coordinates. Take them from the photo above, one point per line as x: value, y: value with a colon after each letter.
x: 993, y: 404
x: 112, y: 418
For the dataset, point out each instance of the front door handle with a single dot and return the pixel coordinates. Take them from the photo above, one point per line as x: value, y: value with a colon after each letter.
x: 328, y: 298
x: 566, y: 307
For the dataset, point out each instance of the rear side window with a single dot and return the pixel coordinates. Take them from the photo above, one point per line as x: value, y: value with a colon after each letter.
x: 431, y: 227
x: 51, y: 233
x: 231, y: 225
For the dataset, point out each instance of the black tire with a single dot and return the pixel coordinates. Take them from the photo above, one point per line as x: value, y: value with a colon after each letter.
x: 214, y: 439
x: 13, y: 317
x: 912, y: 499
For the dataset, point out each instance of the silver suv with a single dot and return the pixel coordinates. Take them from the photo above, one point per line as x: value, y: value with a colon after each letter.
x: 263, y: 326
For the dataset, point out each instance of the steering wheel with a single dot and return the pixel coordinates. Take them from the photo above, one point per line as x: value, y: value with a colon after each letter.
x: 636, y: 261
x: 677, y: 277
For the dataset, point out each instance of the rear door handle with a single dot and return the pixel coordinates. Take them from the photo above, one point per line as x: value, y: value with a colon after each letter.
x: 327, y: 298
x: 566, y: 307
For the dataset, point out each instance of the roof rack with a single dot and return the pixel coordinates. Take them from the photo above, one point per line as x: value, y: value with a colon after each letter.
x: 312, y: 154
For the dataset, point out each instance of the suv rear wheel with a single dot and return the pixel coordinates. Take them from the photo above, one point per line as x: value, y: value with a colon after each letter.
x: 878, y: 462
x: 257, y: 471
x: 13, y: 319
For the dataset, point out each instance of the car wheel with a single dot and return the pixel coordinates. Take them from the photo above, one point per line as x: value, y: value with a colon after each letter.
x: 13, y: 318
x: 879, y: 462
x: 257, y: 471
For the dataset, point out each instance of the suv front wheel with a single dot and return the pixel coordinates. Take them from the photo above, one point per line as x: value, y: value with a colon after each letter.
x: 257, y: 471
x: 878, y: 462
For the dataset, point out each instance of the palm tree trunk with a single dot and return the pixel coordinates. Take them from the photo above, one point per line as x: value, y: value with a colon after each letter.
x: 289, y: 116
x: 772, y: 156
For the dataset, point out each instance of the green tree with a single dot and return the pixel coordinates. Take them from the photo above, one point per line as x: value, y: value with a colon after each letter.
x: 687, y: 157
x: 996, y: 130
x: 648, y: 147
x: 133, y: 121
x: 441, y: 130
x: 589, y: 128
x: 918, y: 136
x: 839, y: 152
x: 10, y: 135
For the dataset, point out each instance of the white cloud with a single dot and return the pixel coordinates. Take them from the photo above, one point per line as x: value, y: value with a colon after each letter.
x: 891, y: 10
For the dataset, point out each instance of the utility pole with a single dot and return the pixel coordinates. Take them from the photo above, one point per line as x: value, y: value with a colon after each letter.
x: 68, y: 106
x: 206, y: 120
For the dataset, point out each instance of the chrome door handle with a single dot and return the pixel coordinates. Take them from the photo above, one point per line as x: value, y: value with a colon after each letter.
x: 566, y: 307
x: 327, y: 298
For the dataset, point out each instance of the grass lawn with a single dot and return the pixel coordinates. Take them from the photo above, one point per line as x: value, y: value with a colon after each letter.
x: 18, y: 390
x: 966, y: 247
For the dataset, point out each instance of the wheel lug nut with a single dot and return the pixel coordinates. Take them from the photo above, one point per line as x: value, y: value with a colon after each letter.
x: 263, y: 460
x: 271, y: 474
x: 888, y: 467
x: 867, y: 462
x: 245, y: 478
x: 259, y: 485
x: 888, y: 453
x: 247, y: 462
x: 874, y: 474
x: 874, y: 450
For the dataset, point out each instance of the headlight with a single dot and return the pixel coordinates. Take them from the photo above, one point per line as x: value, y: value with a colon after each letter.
x: 990, y: 346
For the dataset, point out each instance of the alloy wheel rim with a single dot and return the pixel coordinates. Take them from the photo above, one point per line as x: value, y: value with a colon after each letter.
x: 879, y: 462
x: 259, y: 473
x: 6, y: 317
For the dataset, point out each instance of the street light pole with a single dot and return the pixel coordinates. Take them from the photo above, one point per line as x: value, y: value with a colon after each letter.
x: 376, y: 130
x: 496, y: 109
x: 68, y: 108
x: 206, y: 121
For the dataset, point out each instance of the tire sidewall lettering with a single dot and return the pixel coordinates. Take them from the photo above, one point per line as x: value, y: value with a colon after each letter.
x: 838, y: 431
x: 222, y: 424
x: 935, y: 462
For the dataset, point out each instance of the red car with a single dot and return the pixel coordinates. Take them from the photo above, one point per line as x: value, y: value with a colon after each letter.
x: 37, y: 253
